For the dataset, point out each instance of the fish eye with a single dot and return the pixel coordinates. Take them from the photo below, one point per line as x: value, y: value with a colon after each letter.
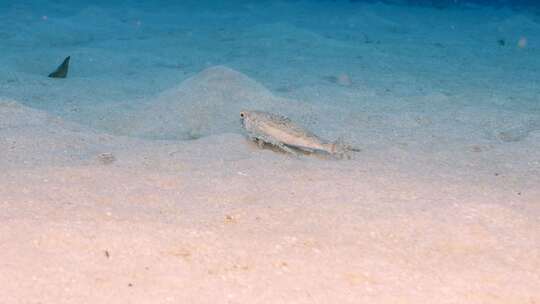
x: 242, y: 114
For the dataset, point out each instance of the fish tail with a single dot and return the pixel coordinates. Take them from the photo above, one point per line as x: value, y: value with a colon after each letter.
x: 341, y: 149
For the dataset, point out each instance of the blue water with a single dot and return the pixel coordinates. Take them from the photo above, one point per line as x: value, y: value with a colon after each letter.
x: 450, y: 3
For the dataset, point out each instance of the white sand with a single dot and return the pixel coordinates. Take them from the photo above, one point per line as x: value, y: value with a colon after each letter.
x: 441, y: 206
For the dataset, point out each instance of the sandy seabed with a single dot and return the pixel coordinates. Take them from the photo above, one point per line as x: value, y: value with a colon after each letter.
x: 132, y: 181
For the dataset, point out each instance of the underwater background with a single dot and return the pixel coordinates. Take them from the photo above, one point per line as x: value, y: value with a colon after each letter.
x: 126, y: 175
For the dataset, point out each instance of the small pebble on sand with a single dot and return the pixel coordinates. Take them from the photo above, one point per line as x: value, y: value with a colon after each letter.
x: 344, y: 80
x: 106, y: 158
x: 522, y: 43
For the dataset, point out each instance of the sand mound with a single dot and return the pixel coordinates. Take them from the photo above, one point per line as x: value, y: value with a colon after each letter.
x: 30, y: 137
x: 205, y: 104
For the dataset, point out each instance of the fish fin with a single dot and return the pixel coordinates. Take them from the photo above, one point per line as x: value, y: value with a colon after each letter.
x: 62, y: 70
x: 341, y: 149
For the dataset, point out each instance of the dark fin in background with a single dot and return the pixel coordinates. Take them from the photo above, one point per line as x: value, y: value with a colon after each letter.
x: 62, y: 70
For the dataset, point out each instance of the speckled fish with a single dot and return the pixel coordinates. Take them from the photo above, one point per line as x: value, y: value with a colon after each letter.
x: 281, y: 132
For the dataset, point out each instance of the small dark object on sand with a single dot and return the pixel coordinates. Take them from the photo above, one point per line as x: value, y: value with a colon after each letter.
x: 106, y: 158
x: 62, y: 70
